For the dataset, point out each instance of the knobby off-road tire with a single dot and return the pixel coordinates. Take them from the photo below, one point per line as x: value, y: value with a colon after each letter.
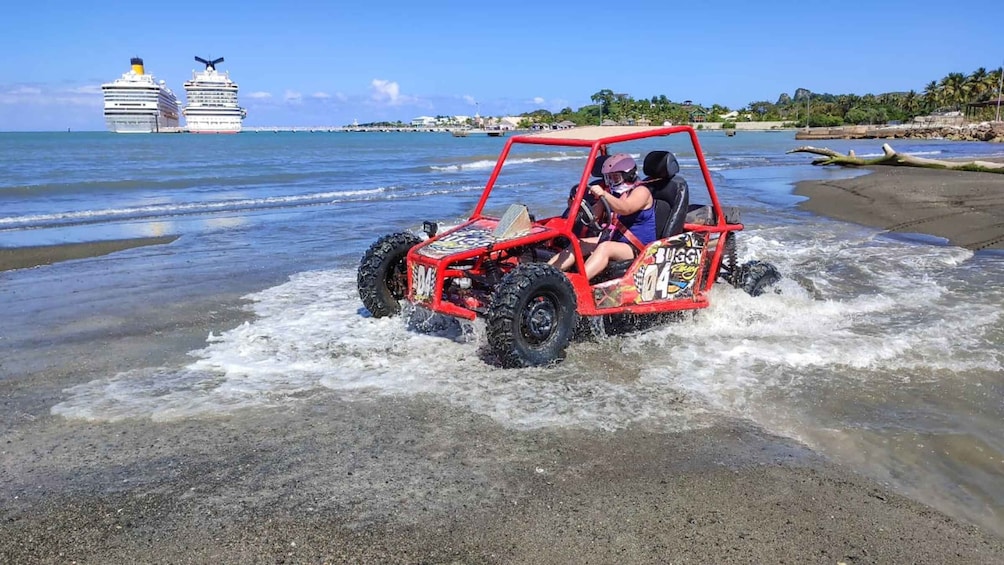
x: 532, y: 316
x: 727, y: 268
x: 382, y: 278
x: 755, y: 277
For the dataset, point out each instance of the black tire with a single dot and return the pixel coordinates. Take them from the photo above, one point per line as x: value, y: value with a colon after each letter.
x: 727, y: 267
x: 382, y: 279
x: 755, y: 277
x: 532, y: 316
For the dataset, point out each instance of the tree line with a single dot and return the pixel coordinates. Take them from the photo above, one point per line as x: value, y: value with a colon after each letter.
x: 952, y: 93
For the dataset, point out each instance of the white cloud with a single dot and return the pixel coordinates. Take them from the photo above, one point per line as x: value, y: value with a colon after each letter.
x: 386, y: 91
x: 470, y: 99
x: 341, y: 97
x: 538, y: 101
x: 292, y: 97
x: 320, y: 95
x: 24, y: 91
x: 88, y: 89
x: 48, y: 95
x: 260, y: 95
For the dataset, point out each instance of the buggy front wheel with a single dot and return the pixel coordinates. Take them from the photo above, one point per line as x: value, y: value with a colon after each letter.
x: 532, y: 316
x: 382, y: 279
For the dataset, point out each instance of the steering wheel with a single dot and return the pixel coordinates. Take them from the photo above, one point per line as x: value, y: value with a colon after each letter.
x: 588, y: 219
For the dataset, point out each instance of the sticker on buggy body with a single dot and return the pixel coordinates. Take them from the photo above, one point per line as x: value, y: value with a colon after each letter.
x: 667, y: 271
x: 478, y: 234
x: 423, y: 282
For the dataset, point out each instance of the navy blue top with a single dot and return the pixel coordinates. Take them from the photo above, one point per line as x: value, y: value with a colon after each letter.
x: 641, y: 224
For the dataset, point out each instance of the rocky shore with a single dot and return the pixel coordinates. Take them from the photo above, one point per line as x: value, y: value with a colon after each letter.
x: 985, y: 131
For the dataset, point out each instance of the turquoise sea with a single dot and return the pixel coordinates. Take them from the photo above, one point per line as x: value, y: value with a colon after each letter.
x: 882, y: 352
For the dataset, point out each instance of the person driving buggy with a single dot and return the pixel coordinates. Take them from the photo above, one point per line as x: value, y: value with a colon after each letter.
x: 633, y: 225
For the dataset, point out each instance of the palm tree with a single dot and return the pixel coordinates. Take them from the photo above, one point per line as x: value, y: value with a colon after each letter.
x: 931, y: 96
x: 954, y: 91
x: 911, y: 103
x: 977, y: 83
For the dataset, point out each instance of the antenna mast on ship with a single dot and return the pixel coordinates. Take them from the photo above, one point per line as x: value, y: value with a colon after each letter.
x: 210, y: 65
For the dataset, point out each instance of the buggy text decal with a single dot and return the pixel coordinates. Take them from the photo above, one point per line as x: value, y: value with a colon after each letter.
x: 667, y: 271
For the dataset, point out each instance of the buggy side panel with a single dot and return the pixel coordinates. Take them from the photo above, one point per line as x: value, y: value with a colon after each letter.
x: 666, y: 271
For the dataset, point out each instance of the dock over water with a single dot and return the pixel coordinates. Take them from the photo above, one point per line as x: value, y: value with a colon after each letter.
x: 339, y: 129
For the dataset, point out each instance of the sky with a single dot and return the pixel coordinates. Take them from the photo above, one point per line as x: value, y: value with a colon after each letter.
x: 330, y: 63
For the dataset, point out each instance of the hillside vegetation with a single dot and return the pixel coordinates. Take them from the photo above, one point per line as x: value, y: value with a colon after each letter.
x: 952, y: 92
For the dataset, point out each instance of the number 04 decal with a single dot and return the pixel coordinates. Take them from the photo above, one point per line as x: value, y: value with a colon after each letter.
x: 672, y: 271
x: 423, y: 282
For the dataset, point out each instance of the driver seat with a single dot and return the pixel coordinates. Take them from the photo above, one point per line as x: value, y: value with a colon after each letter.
x: 669, y: 190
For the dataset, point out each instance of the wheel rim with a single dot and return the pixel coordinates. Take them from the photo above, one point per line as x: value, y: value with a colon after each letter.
x: 540, y: 319
x: 397, y: 280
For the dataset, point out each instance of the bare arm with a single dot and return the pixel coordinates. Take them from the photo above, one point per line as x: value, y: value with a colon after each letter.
x: 625, y: 204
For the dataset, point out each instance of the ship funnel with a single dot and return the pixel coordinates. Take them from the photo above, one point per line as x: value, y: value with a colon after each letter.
x: 137, y: 65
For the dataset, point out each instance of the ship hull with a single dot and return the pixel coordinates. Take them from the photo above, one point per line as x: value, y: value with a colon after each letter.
x: 213, y: 124
x: 139, y: 124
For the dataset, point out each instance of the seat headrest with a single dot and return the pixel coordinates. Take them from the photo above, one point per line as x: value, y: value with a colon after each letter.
x: 660, y: 164
x: 598, y: 165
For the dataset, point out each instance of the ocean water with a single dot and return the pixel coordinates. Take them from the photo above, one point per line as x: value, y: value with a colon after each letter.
x: 883, y: 352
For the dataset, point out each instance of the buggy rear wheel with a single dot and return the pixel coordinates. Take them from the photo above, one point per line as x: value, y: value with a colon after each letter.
x: 382, y: 279
x: 755, y: 277
x: 532, y: 316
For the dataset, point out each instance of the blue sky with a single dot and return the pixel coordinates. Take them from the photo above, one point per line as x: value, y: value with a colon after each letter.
x: 328, y: 63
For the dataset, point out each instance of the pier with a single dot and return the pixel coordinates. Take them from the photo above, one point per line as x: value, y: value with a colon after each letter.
x: 339, y: 129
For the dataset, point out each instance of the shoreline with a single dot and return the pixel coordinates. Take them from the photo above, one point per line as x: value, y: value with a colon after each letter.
x: 894, y: 199
x: 12, y: 258
x: 964, y: 208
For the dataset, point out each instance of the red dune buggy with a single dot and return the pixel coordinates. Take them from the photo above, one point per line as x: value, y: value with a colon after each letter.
x: 496, y: 269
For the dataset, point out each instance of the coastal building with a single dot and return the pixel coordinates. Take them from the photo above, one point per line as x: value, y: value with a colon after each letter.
x: 698, y: 115
x: 423, y: 121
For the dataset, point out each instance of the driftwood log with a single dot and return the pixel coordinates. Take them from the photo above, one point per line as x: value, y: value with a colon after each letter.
x: 890, y: 157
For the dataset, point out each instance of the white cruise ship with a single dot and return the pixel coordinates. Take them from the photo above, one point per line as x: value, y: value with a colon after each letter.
x: 212, y: 101
x: 138, y: 103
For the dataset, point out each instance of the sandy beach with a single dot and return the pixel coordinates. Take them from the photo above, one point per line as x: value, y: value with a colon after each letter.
x: 27, y: 257
x: 415, y: 480
x: 965, y: 208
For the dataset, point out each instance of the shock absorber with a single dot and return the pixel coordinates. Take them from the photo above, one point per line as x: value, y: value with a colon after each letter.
x: 492, y: 271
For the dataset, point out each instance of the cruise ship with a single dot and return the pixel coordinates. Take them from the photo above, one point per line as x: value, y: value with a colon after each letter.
x: 212, y: 101
x: 138, y: 103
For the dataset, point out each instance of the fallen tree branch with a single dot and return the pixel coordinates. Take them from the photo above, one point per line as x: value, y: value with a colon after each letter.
x: 890, y: 157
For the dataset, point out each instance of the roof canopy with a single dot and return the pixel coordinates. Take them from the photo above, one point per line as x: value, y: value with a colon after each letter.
x: 991, y: 102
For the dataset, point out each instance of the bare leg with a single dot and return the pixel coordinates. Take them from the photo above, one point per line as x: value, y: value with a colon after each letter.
x: 566, y: 258
x: 606, y: 252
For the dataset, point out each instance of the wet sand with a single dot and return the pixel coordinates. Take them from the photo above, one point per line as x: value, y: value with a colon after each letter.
x: 27, y: 257
x: 965, y: 208
x: 408, y: 480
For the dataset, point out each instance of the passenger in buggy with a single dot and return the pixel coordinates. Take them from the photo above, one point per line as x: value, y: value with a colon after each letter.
x: 633, y: 227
